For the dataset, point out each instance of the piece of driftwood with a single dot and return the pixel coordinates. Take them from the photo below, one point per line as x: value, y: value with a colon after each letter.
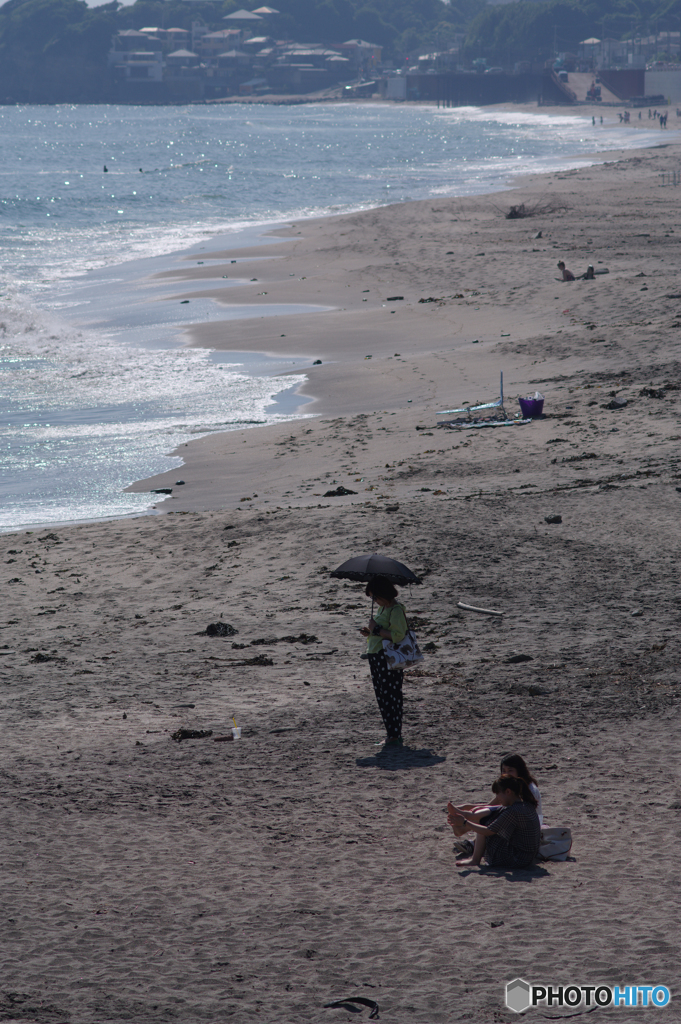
x: 341, y: 1004
x: 479, y: 424
x: 472, y: 608
x: 191, y: 734
x: 538, y: 210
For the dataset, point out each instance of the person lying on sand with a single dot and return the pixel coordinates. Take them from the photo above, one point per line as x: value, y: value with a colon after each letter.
x: 512, y: 839
x: 590, y: 274
x: 483, y: 813
x: 567, y: 274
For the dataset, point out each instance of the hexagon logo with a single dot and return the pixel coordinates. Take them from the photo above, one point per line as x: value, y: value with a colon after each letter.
x: 518, y: 995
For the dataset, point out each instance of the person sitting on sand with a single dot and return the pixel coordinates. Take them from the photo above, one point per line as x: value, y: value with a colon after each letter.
x: 479, y: 814
x: 511, y: 839
x: 390, y: 623
x: 515, y: 765
x: 483, y: 813
x: 590, y: 274
x: 567, y: 274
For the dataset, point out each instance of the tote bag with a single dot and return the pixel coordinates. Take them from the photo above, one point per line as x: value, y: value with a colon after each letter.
x: 405, y: 655
x: 555, y: 843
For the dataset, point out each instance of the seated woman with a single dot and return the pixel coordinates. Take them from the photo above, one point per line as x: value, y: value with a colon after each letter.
x: 567, y: 274
x: 476, y: 813
x: 511, y: 839
x: 515, y: 765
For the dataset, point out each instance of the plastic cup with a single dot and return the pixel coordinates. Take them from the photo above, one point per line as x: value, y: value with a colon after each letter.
x: 531, y: 408
x: 236, y: 732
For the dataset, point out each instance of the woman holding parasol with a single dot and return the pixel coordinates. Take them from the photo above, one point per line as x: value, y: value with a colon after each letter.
x: 389, y: 623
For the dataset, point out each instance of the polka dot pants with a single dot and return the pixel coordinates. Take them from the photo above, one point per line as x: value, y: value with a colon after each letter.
x: 388, y: 690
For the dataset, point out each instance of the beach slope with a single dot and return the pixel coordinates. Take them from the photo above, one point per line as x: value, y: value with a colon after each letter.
x: 148, y: 879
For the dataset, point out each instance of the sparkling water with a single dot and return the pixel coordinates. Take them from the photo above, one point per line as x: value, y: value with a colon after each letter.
x: 98, y: 386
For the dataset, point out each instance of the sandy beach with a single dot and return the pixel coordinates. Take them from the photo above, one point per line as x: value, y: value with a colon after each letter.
x: 263, y: 878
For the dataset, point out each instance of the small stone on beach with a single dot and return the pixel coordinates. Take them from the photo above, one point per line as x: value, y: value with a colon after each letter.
x: 191, y: 734
x: 220, y: 629
x: 338, y: 492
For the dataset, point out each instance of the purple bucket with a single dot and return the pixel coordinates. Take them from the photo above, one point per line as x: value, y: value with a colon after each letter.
x: 531, y: 407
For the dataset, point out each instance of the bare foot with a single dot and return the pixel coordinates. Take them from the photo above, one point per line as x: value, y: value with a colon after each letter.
x: 468, y: 862
x: 456, y: 819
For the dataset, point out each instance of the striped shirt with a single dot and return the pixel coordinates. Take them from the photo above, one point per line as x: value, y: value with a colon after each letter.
x: 517, y: 833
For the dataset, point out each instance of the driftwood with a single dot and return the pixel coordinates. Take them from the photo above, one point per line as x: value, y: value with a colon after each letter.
x: 342, y: 1004
x: 472, y: 608
x: 191, y: 734
x: 536, y: 210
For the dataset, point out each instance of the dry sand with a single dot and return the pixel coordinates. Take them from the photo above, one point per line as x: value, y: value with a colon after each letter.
x: 147, y: 880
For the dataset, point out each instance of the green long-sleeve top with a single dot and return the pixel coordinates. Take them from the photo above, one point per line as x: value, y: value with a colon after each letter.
x: 394, y: 619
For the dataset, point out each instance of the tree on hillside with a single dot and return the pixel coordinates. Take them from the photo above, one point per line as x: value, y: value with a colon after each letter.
x: 526, y: 31
x: 173, y: 14
x: 54, y: 51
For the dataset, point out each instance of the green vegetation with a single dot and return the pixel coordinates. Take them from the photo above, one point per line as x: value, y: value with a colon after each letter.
x: 52, y: 50
x: 56, y: 50
x: 534, y: 31
x: 399, y: 25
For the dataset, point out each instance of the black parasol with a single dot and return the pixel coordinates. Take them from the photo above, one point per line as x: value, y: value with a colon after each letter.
x: 363, y: 568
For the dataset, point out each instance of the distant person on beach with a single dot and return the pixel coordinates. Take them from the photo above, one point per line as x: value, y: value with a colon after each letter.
x: 567, y: 274
x: 390, y: 623
x: 511, y: 838
x: 590, y: 274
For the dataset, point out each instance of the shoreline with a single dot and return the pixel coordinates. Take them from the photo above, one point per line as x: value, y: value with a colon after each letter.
x: 154, y: 880
x: 278, y: 227
x: 322, y: 267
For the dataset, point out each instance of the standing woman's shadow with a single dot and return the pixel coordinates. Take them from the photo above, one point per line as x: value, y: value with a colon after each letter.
x: 400, y: 759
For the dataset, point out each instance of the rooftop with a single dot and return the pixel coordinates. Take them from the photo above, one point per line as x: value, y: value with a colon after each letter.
x: 242, y: 16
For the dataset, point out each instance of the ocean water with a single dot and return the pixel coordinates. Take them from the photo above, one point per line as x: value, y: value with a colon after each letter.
x: 97, y: 385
